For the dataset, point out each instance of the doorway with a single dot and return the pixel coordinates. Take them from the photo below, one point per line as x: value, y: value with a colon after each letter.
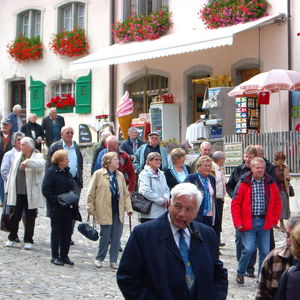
x: 18, y: 96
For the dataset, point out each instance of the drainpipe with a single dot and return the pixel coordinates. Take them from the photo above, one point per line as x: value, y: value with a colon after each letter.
x: 112, y: 67
x: 289, y: 45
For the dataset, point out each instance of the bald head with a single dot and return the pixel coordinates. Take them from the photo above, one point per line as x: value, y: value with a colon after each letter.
x: 112, y: 143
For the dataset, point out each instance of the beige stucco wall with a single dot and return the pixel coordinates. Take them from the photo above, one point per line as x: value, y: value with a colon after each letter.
x: 53, y: 68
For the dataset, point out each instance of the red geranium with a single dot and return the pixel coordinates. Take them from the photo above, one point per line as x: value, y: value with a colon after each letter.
x: 61, y: 102
x: 70, y: 43
x: 25, y: 49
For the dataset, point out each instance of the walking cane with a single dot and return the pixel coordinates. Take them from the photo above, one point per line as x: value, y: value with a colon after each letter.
x: 130, y: 224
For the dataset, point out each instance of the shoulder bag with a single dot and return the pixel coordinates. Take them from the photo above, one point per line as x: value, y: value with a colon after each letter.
x: 291, y: 191
x: 67, y: 199
x: 90, y: 232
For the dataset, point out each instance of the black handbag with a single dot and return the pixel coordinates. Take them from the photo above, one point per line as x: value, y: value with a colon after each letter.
x: 67, y: 199
x: 4, y: 223
x: 140, y: 203
x: 88, y: 231
x: 291, y: 191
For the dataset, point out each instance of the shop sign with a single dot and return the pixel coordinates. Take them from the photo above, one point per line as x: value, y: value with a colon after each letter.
x: 233, y: 154
x: 84, y: 134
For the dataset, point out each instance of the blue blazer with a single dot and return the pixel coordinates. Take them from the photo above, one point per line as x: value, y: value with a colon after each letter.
x: 194, y: 179
x: 152, y: 267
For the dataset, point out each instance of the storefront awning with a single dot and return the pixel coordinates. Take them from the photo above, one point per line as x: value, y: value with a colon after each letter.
x: 170, y: 44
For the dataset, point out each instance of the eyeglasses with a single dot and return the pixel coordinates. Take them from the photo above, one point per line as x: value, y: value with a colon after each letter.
x: 157, y: 159
x: 69, y: 132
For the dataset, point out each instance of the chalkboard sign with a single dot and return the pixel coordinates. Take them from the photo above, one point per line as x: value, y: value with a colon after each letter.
x: 84, y: 134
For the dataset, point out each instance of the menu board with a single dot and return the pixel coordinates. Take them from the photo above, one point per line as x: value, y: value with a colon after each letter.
x: 233, y: 154
x: 247, y: 115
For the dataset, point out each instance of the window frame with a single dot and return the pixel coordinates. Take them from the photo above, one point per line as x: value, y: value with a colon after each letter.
x: 31, y: 25
x: 77, y: 20
x: 57, y: 89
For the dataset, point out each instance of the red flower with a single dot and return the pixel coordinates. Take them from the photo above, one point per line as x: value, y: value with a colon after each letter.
x: 61, y: 102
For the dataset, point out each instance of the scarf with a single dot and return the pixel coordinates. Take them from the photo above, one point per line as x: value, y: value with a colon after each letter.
x: 113, y: 183
x: 206, y: 196
x: 175, y: 174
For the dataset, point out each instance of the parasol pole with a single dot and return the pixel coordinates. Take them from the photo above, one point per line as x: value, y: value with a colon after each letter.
x: 280, y: 128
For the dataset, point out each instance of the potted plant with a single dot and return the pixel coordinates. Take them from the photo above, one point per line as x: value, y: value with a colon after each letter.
x: 63, y: 104
x: 171, y: 144
x: 70, y: 43
x: 223, y: 13
x: 24, y: 49
x: 141, y: 28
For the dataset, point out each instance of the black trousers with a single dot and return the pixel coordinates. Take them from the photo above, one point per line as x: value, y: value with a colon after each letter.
x: 61, y: 231
x: 15, y: 218
x: 218, y: 219
x: 77, y: 191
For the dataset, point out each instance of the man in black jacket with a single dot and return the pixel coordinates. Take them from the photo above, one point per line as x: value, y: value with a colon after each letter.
x: 132, y: 144
x: 52, y: 126
x: 75, y: 157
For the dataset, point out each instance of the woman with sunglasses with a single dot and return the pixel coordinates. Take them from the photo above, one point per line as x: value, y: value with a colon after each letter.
x: 153, y: 186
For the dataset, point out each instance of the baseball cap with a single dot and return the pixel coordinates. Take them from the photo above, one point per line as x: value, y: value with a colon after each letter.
x: 153, y: 133
x: 6, y: 121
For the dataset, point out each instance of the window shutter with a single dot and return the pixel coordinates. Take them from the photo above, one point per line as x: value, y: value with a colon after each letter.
x: 84, y: 94
x: 37, y: 97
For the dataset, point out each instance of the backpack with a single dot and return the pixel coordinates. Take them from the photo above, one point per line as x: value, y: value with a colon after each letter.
x: 282, y: 286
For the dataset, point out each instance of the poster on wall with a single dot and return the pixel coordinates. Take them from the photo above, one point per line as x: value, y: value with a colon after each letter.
x: 233, y: 154
x: 241, y: 115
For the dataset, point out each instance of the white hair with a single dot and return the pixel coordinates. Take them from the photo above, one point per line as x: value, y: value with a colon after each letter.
x: 256, y: 160
x: 29, y: 141
x: 205, y: 143
x: 17, y: 107
x: 187, y: 189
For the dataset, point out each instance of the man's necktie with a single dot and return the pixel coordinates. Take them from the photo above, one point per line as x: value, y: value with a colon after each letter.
x: 184, y: 251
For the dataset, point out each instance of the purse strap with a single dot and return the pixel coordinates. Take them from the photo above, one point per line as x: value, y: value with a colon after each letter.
x: 88, y: 220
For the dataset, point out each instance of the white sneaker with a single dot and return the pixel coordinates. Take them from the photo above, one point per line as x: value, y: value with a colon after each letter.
x: 114, y: 266
x: 98, y: 263
x: 28, y: 246
x: 9, y: 244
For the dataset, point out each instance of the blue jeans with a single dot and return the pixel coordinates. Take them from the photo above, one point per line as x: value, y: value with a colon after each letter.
x: 251, y: 239
x: 1, y: 190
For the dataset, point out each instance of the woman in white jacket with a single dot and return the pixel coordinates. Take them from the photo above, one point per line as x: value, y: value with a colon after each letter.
x: 24, y: 190
x: 153, y: 186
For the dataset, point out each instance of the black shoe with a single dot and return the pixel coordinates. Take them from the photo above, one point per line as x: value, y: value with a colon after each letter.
x: 239, y: 279
x: 67, y: 261
x: 222, y: 244
x: 57, y: 261
x: 72, y: 243
x: 17, y: 240
x: 250, y: 274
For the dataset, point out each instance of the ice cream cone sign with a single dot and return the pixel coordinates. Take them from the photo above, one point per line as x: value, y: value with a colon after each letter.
x: 124, y: 113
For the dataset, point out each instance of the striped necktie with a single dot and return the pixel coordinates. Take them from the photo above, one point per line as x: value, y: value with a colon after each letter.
x: 184, y: 251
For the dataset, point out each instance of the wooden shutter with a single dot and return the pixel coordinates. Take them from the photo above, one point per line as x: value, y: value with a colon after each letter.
x: 84, y: 94
x: 37, y: 95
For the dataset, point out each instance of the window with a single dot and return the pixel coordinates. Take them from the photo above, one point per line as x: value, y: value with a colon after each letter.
x: 141, y: 7
x: 71, y: 16
x: 29, y: 23
x: 62, y: 89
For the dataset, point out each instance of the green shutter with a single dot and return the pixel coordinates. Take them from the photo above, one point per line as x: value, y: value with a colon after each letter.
x: 84, y: 94
x: 37, y: 97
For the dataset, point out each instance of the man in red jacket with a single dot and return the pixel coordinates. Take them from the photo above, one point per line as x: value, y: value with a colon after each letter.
x: 255, y: 209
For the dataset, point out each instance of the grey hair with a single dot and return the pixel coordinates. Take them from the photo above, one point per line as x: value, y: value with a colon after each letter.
x: 186, y: 189
x: 256, y: 160
x: 293, y: 221
x: 205, y: 143
x: 260, y: 150
x: 151, y: 156
x: 52, y: 109
x: 104, y: 135
x: 218, y: 155
x: 251, y: 150
x: 66, y: 127
x: 131, y: 129
x: 111, y: 138
x: 29, y: 141
x: 15, y: 135
x: 31, y: 115
x: 17, y: 107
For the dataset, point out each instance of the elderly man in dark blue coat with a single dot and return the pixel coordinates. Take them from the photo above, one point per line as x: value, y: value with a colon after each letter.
x: 174, y: 257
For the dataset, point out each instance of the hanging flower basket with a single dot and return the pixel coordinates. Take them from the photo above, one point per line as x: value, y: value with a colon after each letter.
x: 70, y: 43
x: 141, y: 28
x: 63, y: 104
x: 222, y: 13
x: 24, y: 49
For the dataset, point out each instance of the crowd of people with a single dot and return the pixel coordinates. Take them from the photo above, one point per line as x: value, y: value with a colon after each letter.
x: 174, y: 253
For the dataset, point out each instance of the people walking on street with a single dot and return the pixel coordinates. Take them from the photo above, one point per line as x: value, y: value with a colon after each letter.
x: 205, y: 150
x: 75, y: 159
x: 153, y: 186
x: 173, y: 257
x: 255, y: 210
x: 125, y: 163
x: 52, y: 125
x: 282, y: 178
x: 152, y: 146
x: 34, y: 130
x: 58, y: 180
x: 277, y: 261
x: 24, y: 190
x: 107, y: 201
x: 5, y: 146
x: 249, y: 154
x: 178, y: 170
x: 206, y: 184
x: 15, y: 118
x: 132, y: 144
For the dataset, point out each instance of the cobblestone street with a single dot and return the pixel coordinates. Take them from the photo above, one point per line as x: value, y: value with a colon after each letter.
x: 30, y: 275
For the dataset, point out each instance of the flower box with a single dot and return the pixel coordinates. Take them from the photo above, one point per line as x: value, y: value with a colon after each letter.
x: 222, y: 13
x: 70, y: 43
x: 24, y: 49
x: 65, y: 110
x: 141, y: 28
x: 63, y: 104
